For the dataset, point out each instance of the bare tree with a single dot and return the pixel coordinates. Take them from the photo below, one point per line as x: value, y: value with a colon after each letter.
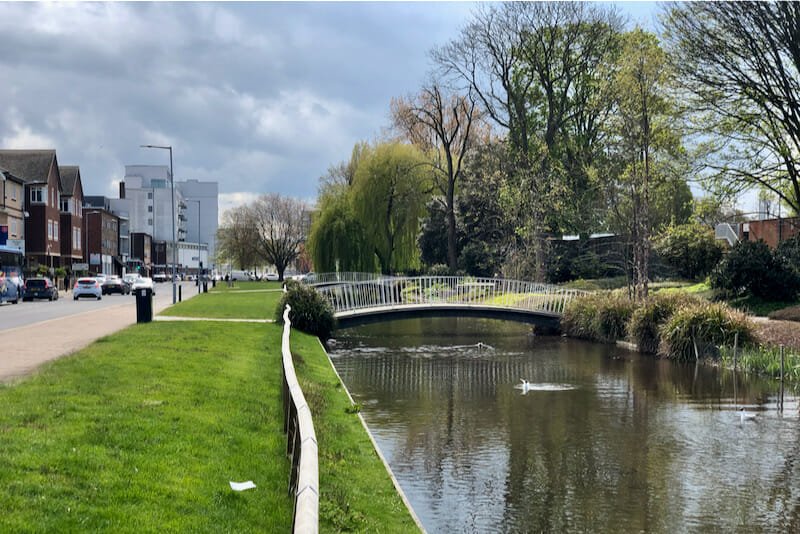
x: 236, y: 238
x: 740, y: 61
x: 281, y: 226
x: 441, y: 126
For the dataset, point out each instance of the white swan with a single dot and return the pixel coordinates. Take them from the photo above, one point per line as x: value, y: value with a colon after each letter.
x: 526, y: 386
x: 747, y: 416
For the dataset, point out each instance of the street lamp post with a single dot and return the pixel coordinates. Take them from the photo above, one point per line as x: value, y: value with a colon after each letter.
x: 174, y: 241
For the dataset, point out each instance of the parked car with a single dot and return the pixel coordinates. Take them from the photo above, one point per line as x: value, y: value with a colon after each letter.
x: 40, y: 288
x: 115, y: 284
x: 130, y: 278
x: 272, y: 277
x: 143, y: 282
x: 160, y: 278
x: 87, y: 287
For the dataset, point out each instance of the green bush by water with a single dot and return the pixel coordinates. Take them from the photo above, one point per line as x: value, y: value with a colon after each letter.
x: 647, y: 319
x: 311, y: 312
x: 700, y: 325
x: 598, y: 317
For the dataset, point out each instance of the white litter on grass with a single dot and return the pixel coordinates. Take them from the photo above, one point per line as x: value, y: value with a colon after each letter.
x: 241, y: 486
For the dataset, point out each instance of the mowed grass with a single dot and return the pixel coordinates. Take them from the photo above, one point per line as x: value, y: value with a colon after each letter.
x: 228, y: 305
x: 222, y: 286
x: 356, y: 492
x: 143, y: 430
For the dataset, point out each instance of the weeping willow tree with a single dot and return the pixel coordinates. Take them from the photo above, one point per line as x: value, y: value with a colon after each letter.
x: 338, y: 240
x: 389, y: 193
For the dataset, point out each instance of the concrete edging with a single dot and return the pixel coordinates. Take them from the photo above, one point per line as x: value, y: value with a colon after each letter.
x: 375, y: 446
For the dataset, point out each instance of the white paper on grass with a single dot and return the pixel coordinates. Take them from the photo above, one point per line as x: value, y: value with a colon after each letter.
x: 241, y: 486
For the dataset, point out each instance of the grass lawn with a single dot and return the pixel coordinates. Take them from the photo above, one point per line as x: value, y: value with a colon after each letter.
x: 142, y: 431
x: 228, y: 305
x: 222, y: 286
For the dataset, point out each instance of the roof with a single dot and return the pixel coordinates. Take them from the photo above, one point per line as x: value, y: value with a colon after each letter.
x: 33, y: 166
x: 69, y: 175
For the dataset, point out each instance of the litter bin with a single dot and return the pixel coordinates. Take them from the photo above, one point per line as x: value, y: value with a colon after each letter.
x: 205, y: 287
x: 144, y: 305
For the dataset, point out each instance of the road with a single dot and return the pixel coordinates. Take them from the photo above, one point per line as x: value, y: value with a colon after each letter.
x: 37, y: 311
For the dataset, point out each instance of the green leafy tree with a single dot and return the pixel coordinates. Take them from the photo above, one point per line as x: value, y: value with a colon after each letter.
x: 338, y: 240
x: 390, y: 191
x: 690, y: 249
x: 642, y: 130
x: 740, y: 65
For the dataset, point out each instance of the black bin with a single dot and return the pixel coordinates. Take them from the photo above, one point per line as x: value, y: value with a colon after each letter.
x: 205, y: 287
x: 144, y: 305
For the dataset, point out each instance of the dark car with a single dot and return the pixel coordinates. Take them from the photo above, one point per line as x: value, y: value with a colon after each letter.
x: 115, y: 284
x: 40, y: 288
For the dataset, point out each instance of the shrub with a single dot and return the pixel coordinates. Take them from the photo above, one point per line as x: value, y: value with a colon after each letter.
x: 690, y: 249
x: 311, y: 312
x: 789, y: 251
x: 646, y: 320
x: 439, y: 269
x: 751, y: 269
x: 702, y: 325
x: 598, y: 317
x: 791, y: 313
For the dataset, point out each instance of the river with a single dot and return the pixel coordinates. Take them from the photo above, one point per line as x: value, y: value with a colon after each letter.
x: 604, y: 440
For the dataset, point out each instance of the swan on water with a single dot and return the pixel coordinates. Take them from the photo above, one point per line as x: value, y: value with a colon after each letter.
x: 747, y: 416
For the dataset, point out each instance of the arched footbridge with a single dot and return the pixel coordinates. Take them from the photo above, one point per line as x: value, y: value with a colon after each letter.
x: 359, y: 298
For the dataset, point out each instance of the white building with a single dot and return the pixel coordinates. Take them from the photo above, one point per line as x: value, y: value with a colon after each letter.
x: 147, y: 194
x: 201, y: 201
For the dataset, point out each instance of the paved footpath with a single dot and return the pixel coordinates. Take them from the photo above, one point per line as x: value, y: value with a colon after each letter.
x: 27, y: 347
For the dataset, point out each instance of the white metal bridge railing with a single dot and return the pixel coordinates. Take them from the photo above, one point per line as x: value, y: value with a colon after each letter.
x: 449, y: 291
x: 330, y: 278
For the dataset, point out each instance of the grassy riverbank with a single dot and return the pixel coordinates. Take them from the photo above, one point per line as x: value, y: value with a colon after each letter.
x: 143, y: 430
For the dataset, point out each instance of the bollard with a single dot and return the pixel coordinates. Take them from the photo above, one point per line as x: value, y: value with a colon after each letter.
x: 179, y: 294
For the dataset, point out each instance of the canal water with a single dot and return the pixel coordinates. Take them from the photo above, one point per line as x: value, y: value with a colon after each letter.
x: 603, y: 440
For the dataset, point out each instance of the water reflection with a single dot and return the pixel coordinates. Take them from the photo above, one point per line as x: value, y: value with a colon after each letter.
x: 625, y: 444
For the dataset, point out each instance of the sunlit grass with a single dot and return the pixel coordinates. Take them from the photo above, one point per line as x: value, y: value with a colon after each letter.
x: 143, y: 430
x: 247, y: 285
x: 228, y: 305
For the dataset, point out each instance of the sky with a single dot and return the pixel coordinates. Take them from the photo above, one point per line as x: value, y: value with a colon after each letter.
x: 260, y: 97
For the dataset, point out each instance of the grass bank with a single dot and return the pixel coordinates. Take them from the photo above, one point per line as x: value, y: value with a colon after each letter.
x: 356, y: 493
x: 142, y: 431
x: 228, y: 305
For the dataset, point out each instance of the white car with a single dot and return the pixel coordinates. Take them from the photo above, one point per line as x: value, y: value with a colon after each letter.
x: 143, y: 282
x: 87, y: 287
x: 272, y: 277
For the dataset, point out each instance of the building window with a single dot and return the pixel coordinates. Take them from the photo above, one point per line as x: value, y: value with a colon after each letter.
x: 49, y: 229
x: 55, y: 230
x: 37, y: 194
x: 149, y: 195
x: 149, y: 222
x: 78, y: 241
x: 149, y: 209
